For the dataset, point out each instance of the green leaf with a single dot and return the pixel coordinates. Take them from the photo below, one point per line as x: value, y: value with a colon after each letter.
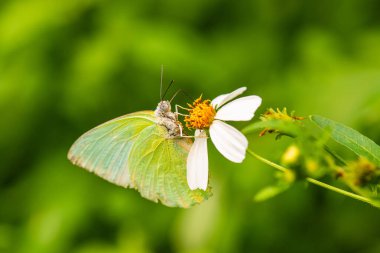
x: 285, y: 127
x: 350, y: 138
x: 270, y: 192
x: 133, y: 151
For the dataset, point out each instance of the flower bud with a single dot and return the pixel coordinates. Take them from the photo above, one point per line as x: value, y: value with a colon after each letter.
x: 311, y: 166
x: 363, y: 172
x: 291, y: 155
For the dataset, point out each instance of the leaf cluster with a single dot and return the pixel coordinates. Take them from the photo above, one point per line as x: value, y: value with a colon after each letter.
x: 312, y: 154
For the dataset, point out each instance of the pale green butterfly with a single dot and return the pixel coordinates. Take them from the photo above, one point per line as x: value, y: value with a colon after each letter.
x: 142, y: 150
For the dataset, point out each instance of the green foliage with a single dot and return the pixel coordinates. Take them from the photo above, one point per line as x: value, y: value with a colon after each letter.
x: 269, y: 192
x: 309, y: 157
x: 350, y: 138
x: 283, y: 183
x: 275, y: 125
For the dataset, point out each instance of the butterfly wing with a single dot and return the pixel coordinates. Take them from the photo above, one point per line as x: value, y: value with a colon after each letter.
x: 133, y: 151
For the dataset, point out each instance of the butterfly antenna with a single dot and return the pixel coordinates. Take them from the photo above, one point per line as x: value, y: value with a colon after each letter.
x: 162, y: 76
x: 187, y: 95
x: 175, y: 94
x: 171, y: 82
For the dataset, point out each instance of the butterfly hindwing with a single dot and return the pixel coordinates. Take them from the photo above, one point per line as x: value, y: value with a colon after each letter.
x: 161, y: 171
x: 133, y: 151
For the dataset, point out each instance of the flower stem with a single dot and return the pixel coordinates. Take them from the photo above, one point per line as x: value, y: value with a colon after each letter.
x: 274, y: 165
x: 316, y: 182
x: 346, y: 193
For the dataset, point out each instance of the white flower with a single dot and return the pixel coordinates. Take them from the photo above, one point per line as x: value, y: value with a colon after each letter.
x: 229, y: 141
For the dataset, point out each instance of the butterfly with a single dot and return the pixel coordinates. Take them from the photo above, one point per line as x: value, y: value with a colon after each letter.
x: 143, y: 150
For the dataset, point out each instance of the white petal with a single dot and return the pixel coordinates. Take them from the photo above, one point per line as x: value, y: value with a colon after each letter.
x: 222, y: 99
x: 240, y: 109
x: 231, y: 143
x: 197, y: 162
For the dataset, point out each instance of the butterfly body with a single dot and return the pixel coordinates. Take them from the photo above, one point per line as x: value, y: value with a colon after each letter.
x: 142, y: 150
x: 168, y: 119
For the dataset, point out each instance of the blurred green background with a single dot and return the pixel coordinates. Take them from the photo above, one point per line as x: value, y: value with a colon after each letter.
x: 67, y: 66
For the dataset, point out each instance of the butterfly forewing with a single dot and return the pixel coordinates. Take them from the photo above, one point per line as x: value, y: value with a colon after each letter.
x: 105, y: 149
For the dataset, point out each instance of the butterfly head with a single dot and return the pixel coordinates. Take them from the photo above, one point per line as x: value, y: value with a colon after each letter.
x: 163, y: 107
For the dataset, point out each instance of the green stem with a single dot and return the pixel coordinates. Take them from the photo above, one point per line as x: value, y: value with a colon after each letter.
x: 316, y: 182
x: 338, y: 190
x: 274, y: 165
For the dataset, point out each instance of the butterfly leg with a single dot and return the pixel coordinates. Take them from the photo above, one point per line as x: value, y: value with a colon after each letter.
x: 180, y: 130
x: 176, y: 110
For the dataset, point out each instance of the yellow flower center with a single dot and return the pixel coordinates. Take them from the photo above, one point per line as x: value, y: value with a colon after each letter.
x: 201, y: 114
